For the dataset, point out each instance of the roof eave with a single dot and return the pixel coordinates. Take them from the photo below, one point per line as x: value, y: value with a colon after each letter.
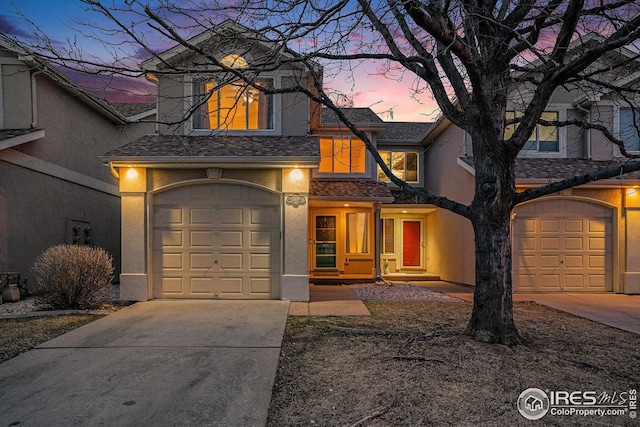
x: 243, y: 162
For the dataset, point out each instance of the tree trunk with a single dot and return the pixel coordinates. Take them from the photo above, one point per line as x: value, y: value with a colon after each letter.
x: 492, y: 317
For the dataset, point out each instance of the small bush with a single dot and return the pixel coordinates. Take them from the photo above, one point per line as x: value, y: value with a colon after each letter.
x: 73, y: 277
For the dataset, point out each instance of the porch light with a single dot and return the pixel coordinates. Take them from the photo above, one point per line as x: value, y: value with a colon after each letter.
x: 633, y: 190
x: 296, y: 175
x: 404, y: 211
x: 131, y: 173
x: 346, y: 205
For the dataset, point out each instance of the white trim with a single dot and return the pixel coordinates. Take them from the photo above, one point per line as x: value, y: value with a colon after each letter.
x: 21, y: 139
x: 143, y: 115
x: 1, y: 99
x: 466, y: 166
x: 50, y: 169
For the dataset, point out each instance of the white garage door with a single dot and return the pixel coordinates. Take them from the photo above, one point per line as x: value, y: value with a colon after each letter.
x: 216, y: 241
x: 562, y: 245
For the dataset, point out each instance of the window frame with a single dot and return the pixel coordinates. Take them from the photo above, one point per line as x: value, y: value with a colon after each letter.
x: 384, y: 230
x: 561, y: 110
x: 390, y: 152
x: 349, y: 173
x: 189, y: 94
x: 537, y: 141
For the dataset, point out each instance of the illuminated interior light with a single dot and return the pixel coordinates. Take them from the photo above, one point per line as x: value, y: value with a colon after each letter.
x: 131, y: 173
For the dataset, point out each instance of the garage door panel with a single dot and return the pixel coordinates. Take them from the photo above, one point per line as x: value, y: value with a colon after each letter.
x: 549, y: 244
x: 201, y: 216
x: 231, y: 286
x: 172, y: 260
x: 172, y: 285
x: 231, y: 261
x: 549, y: 225
x: 202, y: 286
x: 200, y: 238
x: 263, y: 239
x: 231, y: 239
x: 574, y: 244
x: 549, y: 261
x: 171, y: 238
x: 201, y: 261
x: 230, y: 216
x: 574, y: 262
x: 572, y: 251
x: 169, y: 216
x: 574, y: 281
x: 261, y: 285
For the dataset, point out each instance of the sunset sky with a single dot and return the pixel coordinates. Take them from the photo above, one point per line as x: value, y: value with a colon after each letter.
x: 59, y: 19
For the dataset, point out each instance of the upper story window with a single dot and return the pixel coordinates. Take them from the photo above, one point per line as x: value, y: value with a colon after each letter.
x: 544, y: 139
x: 629, y: 128
x: 403, y: 164
x: 342, y: 155
x: 232, y: 106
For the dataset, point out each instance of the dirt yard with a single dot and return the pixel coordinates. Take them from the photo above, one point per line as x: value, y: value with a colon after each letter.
x: 409, y: 365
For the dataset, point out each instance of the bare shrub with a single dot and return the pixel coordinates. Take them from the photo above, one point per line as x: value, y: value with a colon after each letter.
x: 73, y: 277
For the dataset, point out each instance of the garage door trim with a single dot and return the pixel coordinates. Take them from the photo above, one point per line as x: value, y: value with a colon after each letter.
x: 614, y: 215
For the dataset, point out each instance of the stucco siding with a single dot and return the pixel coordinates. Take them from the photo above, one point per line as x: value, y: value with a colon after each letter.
x: 16, y: 96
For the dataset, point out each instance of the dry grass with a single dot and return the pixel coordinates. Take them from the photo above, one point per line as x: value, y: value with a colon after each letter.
x: 20, y: 335
x: 409, y: 364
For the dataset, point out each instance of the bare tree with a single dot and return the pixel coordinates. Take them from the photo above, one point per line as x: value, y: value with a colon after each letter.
x: 472, y: 55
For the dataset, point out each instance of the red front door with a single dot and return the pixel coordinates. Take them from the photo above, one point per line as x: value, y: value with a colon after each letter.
x: 411, y: 237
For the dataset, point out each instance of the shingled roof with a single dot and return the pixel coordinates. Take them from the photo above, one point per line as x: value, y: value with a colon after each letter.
x: 359, y: 116
x: 404, y: 132
x: 559, y: 169
x: 172, y: 148
x: 349, y: 190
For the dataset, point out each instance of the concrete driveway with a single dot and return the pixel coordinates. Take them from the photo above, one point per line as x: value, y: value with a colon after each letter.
x: 160, y: 363
x: 617, y: 310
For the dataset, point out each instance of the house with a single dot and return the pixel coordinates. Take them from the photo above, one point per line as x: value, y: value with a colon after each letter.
x: 242, y: 194
x: 53, y: 188
x: 583, y: 239
x: 245, y: 194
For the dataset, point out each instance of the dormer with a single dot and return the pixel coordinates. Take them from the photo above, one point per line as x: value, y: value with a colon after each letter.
x: 218, y: 84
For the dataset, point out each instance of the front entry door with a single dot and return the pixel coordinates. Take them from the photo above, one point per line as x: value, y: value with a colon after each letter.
x: 411, y: 243
x: 325, y: 240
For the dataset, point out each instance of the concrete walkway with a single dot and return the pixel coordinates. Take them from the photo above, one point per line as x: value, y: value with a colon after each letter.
x: 617, y: 310
x: 329, y: 300
x: 160, y: 363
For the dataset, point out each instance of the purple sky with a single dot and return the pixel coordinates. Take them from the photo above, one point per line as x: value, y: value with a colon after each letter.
x: 60, y: 19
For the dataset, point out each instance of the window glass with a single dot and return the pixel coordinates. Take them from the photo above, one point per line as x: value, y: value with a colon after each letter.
x: 340, y: 155
x: 233, y: 106
x: 404, y: 165
x: 358, y: 233
x: 629, y: 129
x: 388, y: 236
x: 543, y: 138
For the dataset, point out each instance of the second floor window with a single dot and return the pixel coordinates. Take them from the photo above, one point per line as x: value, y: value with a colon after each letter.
x: 342, y: 155
x: 403, y: 164
x: 544, y: 139
x: 233, y: 106
x: 629, y: 125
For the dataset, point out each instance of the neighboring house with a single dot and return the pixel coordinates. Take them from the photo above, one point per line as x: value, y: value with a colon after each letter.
x: 53, y: 188
x: 584, y: 239
x: 254, y: 195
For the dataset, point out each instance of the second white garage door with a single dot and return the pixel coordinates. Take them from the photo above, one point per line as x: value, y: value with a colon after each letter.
x: 216, y: 241
x: 562, y: 245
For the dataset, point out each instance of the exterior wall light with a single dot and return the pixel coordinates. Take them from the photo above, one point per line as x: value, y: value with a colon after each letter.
x: 296, y: 175
x: 131, y: 173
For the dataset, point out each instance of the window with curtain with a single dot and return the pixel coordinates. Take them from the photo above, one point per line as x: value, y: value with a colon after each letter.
x: 232, y: 106
x: 342, y: 155
x: 403, y: 164
x: 544, y: 139
x: 357, y: 233
x: 629, y: 128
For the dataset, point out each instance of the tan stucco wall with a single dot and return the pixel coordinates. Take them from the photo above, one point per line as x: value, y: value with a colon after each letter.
x: 36, y: 206
x: 450, y: 247
x: 16, y: 96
